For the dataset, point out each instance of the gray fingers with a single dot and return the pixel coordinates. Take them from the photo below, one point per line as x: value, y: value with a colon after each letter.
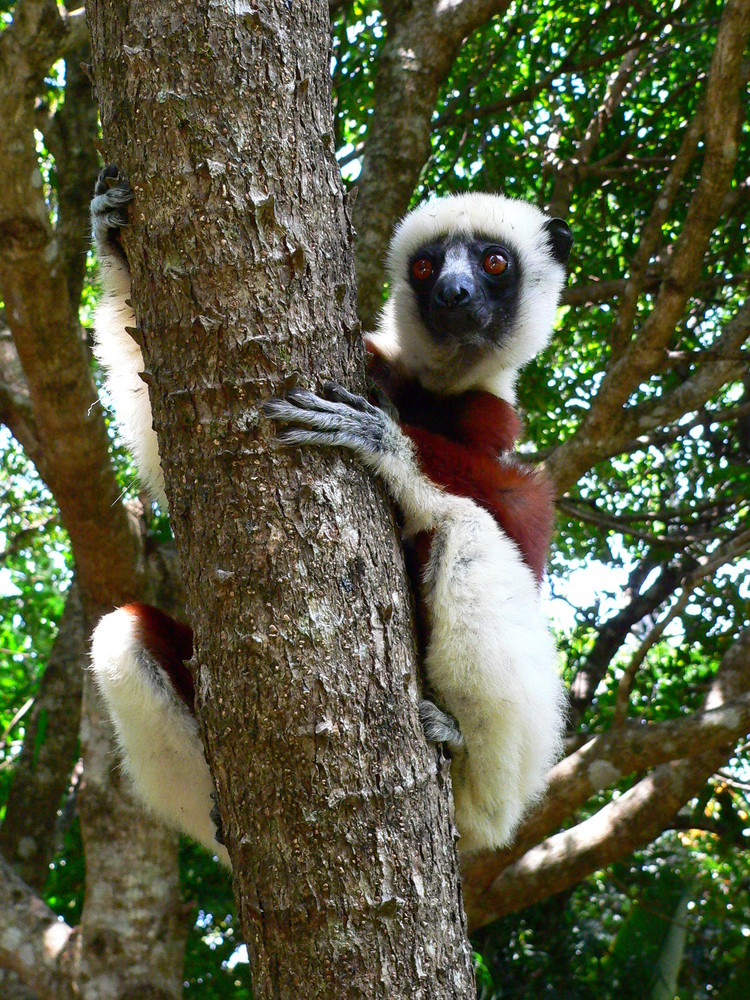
x: 342, y: 420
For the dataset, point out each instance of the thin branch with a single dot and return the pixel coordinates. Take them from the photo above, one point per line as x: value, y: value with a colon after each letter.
x: 617, y: 87
x: 643, y: 355
x: 734, y: 547
x: 612, y: 635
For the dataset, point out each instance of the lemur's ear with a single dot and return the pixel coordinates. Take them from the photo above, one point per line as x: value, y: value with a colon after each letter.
x: 560, y: 238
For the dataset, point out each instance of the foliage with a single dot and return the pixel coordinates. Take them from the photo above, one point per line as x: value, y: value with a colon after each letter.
x: 214, y: 963
x: 526, y: 94
x: 34, y: 572
x: 603, y: 940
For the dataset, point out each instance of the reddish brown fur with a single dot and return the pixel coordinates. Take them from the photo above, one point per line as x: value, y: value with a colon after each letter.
x: 169, y: 642
x: 464, y: 444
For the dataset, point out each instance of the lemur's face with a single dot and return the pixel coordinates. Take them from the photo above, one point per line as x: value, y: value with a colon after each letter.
x: 467, y: 290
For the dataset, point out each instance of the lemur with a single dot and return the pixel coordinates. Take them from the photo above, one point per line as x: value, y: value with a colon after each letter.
x: 474, y: 285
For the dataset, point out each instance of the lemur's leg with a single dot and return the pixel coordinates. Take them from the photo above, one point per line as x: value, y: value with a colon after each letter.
x: 439, y: 727
x: 490, y: 658
x: 115, y: 349
x: 137, y: 658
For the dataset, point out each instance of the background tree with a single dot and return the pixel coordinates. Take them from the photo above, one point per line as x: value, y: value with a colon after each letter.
x: 631, y: 121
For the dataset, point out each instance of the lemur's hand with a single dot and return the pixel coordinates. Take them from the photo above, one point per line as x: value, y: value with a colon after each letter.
x: 109, y: 206
x: 341, y: 419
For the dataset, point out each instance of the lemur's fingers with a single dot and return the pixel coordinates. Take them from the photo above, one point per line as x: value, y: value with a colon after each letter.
x: 348, y: 425
x: 312, y: 420
x: 109, y: 206
x: 439, y: 727
x: 325, y: 439
x: 310, y: 401
x: 111, y: 178
x: 338, y: 394
x: 301, y: 407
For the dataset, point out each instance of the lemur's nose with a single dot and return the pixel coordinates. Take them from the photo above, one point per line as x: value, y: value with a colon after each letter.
x: 452, y: 292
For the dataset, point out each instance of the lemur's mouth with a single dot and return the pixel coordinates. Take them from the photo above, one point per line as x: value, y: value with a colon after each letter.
x: 467, y: 325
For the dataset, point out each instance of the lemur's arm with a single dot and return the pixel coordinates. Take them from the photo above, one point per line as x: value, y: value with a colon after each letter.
x: 115, y: 349
x: 490, y: 659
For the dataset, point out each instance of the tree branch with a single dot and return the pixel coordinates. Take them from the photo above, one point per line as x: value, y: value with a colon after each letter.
x: 34, y: 942
x: 566, y: 175
x: 593, y: 440
x: 613, y: 633
x: 422, y: 42
x: 733, y: 548
x: 68, y: 420
x: 624, y: 823
x: 15, y: 404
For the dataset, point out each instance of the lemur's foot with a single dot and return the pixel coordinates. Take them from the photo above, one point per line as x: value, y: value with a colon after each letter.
x: 216, y: 820
x: 109, y: 206
x: 341, y: 419
x: 439, y: 727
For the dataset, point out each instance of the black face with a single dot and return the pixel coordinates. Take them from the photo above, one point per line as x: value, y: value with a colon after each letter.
x: 467, y: 289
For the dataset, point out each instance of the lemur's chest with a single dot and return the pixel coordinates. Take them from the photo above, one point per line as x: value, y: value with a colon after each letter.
x: 465, y: 444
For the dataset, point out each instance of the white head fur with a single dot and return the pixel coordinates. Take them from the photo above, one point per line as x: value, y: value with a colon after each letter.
x: 401, y: 334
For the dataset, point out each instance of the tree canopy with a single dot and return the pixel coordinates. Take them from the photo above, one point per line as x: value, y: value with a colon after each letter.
x: 631, y: 122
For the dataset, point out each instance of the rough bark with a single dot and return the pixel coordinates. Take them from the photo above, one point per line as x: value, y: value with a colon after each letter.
x: 340, y: 835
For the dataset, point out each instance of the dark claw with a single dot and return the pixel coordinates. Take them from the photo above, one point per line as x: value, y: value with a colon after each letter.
x: 384, y: 402
x: 115, y: 184
x: 338, y: 394
x: 109, y: 207
x: 216, y: 820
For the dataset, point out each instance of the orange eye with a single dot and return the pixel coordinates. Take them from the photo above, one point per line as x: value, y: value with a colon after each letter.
x: 494, y: 263
x: 422, y: 268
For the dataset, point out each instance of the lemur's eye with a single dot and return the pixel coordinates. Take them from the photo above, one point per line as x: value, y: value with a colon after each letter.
x: 422, y: 268
x: 494, y: 262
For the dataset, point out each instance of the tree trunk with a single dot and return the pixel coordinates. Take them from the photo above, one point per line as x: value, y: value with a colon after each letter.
x: 336, y: 817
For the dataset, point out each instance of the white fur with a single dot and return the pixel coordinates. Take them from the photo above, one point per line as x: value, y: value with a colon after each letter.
x: 401, y: 332
x: 491, y: 660
x: 162, y: 752
x: 122, y: 360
